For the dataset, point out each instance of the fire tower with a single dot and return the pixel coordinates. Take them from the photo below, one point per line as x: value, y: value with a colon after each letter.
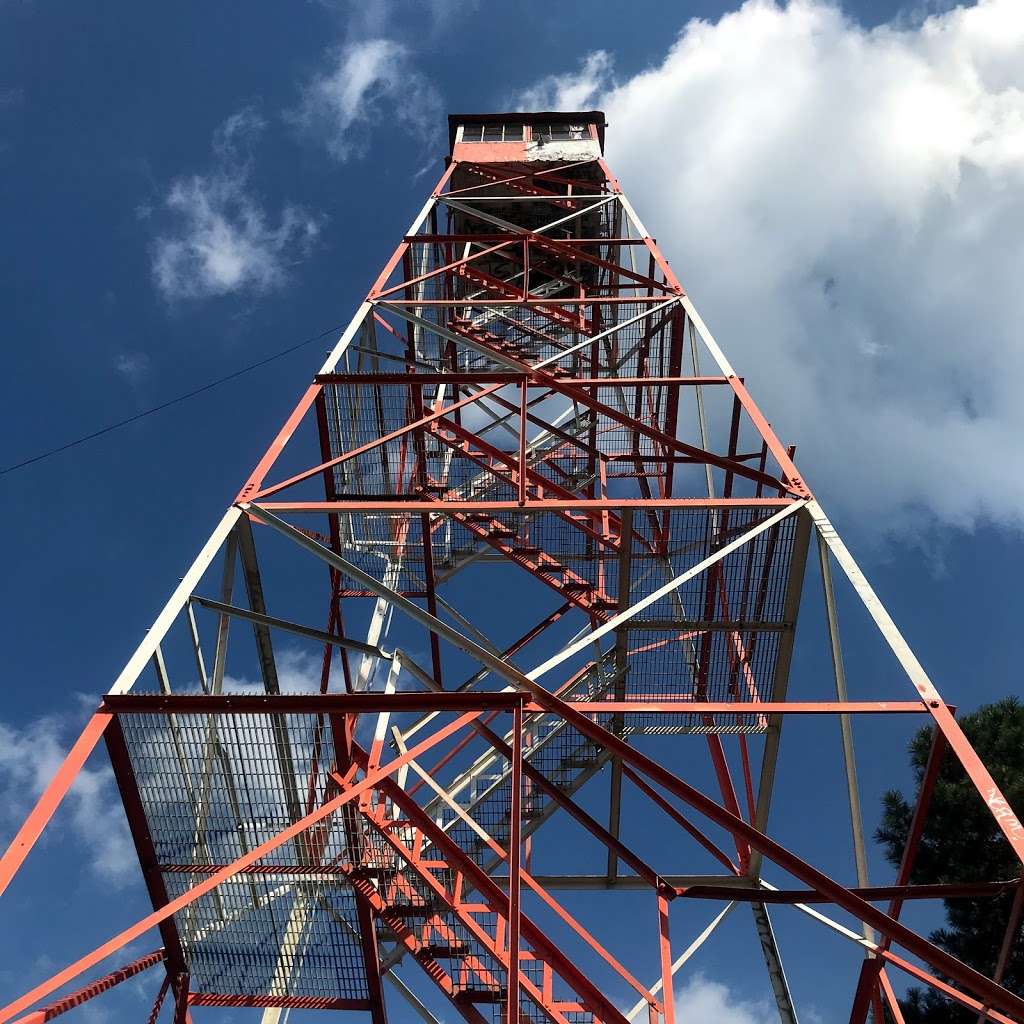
x: 524, y: 563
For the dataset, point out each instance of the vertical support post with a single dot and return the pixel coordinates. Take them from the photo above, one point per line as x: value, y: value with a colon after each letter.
x: 665, y: 950
x: 224, y: 622
x: 371, y: 954
x: 780, y: 682
x: 845, y: 725
x: 431, y: 581
x: 523, y: 393
x: 246, y: 546
x: 181, y: 999
x: 514, y: 848
x: 621, y: 668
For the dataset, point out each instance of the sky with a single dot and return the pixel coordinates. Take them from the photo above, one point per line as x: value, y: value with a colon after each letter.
x: 838, y: 188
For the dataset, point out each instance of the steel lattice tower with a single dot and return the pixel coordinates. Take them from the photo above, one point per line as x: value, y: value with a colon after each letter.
x: 560, y: 545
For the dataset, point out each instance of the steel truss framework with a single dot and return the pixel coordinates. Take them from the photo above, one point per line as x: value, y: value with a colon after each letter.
x: 524, y: 396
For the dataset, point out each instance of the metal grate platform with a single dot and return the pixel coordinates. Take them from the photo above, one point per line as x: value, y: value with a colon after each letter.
x: 213, y: 787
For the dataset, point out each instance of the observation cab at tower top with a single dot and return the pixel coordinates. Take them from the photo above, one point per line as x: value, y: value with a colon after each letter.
x: 529, y: 138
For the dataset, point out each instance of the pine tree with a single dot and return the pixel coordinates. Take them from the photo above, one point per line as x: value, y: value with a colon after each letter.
x: 962, y: 843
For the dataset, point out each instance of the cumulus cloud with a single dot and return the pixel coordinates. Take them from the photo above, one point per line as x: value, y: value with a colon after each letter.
x: 572, y: 90
x: 29, y: 757
x: 298, y: 671
x: 846, y: 208
x: 705, y: 1001
x: 367, y: 84
x: 222, y: 239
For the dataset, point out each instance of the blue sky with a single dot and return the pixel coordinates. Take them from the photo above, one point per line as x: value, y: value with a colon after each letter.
x: 840, y: 192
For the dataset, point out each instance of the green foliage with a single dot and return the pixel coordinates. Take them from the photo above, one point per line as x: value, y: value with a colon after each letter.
x: 962, y: 843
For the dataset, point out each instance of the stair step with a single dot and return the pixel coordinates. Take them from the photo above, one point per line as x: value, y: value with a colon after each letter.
x: 410, y: 909
x: 481, y: 995
x: 577, y: 585
x: 437, y: 952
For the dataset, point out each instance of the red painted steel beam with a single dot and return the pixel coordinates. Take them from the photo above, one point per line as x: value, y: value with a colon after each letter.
x: 208, y: 885
x: 279, y: 1002
x: 416, y: 504
x: 885, y: 986
x: 668, y: 999
x: 874, y: 893
x: 514, y: 854
x: 93, y: 989
x: 309, y: 703
x: 589, y: 300
x: 51, y: 797
x: 512, y: 377
x: 158, y: 1003
x: 498, y: 237
x: 454, y: 700
x: 548, y: 174
x: 945, y: 988
x: 780, y: 453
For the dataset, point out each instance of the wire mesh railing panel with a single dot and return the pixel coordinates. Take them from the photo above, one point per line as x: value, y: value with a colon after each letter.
x: 748, y: 583
x: 716, y: 665
x: 274, y: 935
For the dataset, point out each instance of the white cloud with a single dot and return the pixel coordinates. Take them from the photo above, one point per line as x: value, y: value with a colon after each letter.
x: 29, y: 757
x: 223, y: 240
x: 369, y: 85
x: 442, y: 12
x: 298, y: 671
x: 239, y: 131
x: 572, y: 90
x: 705, y: 1001
x: 133, y: 366
x: 846, y: 208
